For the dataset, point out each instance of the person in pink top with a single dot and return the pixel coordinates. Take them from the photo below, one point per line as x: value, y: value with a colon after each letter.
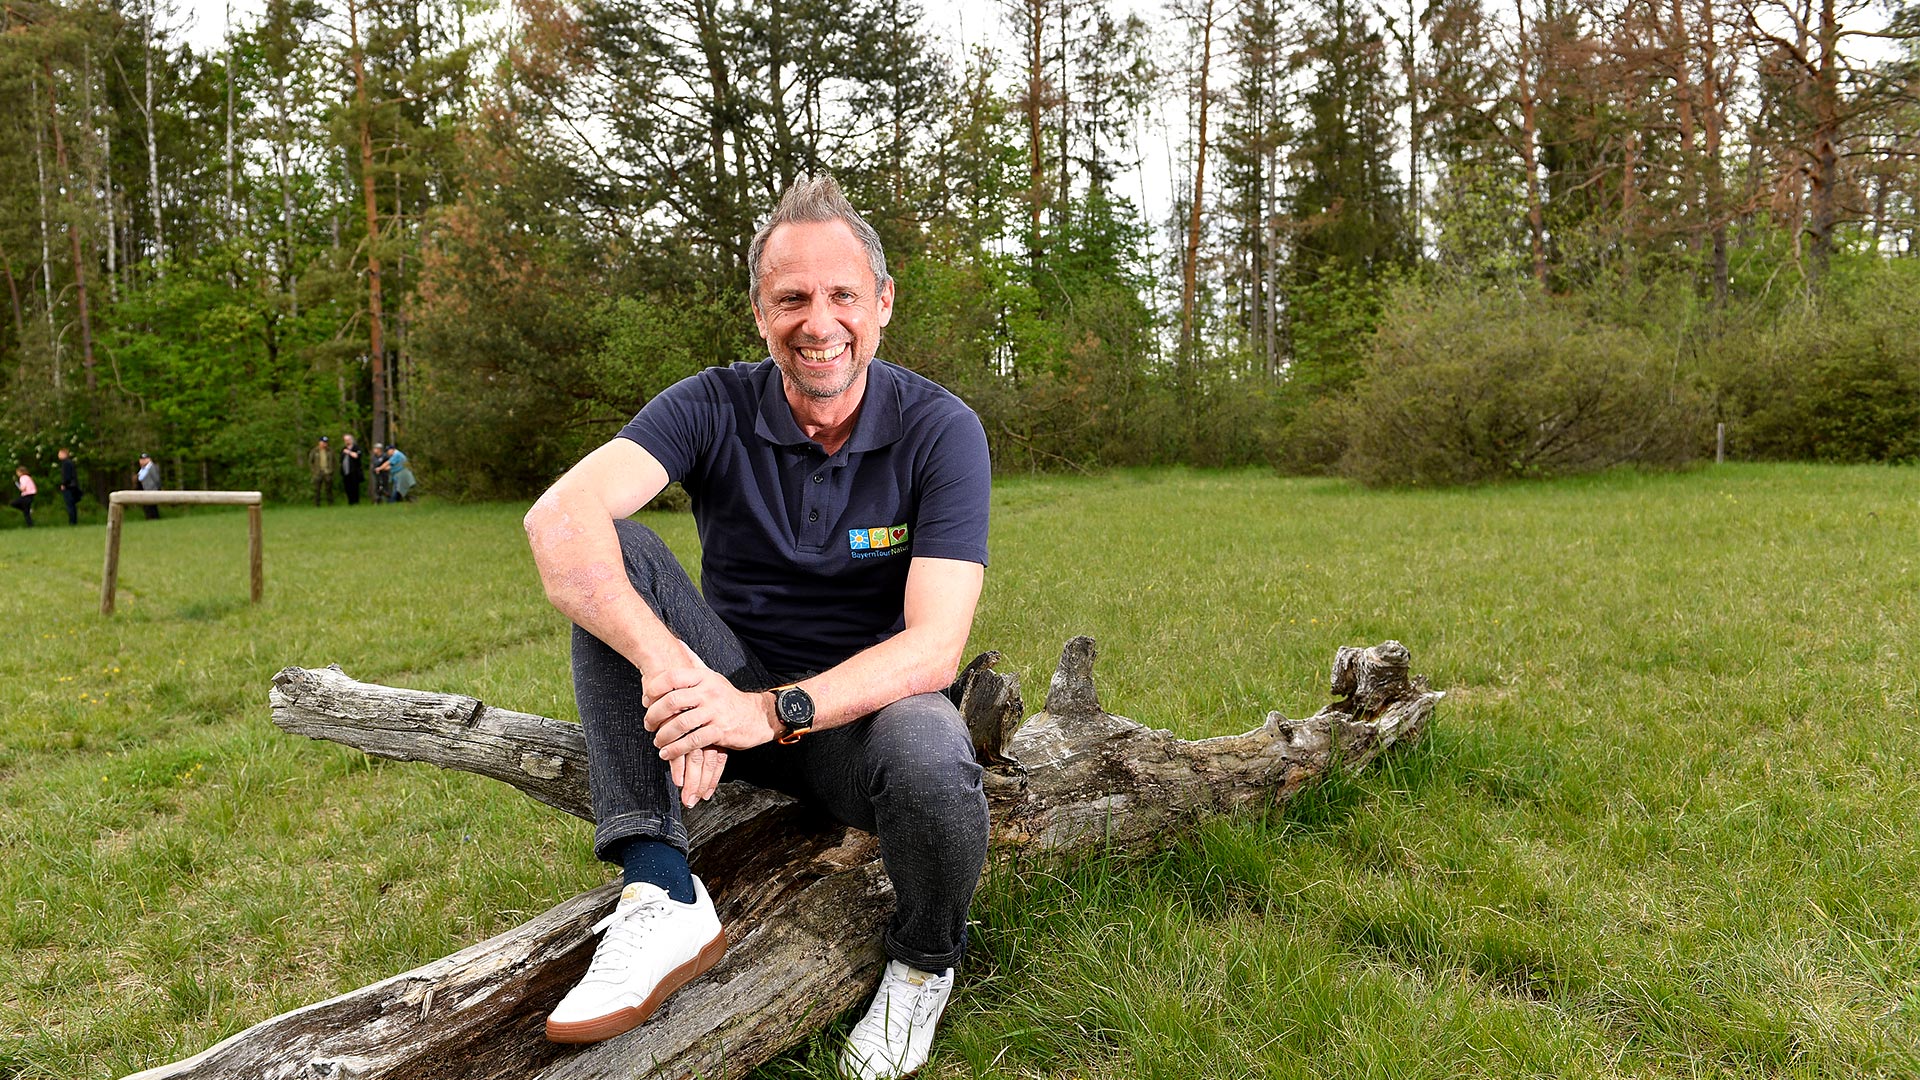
x: 24, y: 501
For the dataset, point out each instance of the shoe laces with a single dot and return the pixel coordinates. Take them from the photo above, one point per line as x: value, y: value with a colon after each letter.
x: 906, y: 1002
x: 623, y: 932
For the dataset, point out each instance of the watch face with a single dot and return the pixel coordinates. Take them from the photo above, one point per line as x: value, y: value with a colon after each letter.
x: 795, y: 707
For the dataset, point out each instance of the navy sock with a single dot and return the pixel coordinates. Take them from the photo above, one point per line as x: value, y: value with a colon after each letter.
x: 657, y: 862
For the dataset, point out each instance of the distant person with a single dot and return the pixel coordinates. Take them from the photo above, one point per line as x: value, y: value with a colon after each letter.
x: 70, y: 485
x: 352, y: 471
x: 399, y: 475
x: 320, y: 458
x: 382, y: 478
x: 149, y: 479
x: 23, y: 502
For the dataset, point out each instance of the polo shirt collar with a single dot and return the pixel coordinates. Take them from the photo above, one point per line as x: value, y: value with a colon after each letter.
x: 878, y: 424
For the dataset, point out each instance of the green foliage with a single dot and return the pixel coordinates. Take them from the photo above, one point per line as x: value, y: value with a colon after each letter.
x: 1464, y: 387
x: 563, y: 234
x: 1332, y: 316
x: 1479, y: 217
x: 1348, y: 198
x: 1838, y: 380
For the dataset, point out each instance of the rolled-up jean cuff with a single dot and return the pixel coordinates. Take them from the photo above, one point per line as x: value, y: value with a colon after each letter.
x: 610, y: 834
x: 933, y: 962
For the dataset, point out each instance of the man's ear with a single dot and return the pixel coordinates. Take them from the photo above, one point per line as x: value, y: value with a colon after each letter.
x: 886, y: 302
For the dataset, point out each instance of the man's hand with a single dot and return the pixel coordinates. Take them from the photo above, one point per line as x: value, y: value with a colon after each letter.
x: 695, y: 715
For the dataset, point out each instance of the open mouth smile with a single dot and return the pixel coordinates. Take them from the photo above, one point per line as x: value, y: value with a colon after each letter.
x: 824, y: 356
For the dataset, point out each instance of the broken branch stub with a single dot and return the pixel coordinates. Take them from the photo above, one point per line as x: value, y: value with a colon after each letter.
x: 803, y: 903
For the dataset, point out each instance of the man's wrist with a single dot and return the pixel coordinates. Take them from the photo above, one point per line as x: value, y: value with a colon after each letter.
x: 770, y: 714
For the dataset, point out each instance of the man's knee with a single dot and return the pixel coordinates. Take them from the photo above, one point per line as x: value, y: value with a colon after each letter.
x: 638, y: 544
x: 919, y: 745
x: 646, y: 556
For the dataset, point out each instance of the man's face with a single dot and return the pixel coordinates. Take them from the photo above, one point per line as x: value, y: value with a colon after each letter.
x: 63, y: 454
x: 818, y: 309
x: 348, y: 439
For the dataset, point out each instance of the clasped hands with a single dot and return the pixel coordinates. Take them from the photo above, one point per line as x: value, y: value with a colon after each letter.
x: 696, y: 716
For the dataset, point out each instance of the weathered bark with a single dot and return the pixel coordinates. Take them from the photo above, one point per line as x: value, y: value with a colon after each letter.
x: 803, y: 904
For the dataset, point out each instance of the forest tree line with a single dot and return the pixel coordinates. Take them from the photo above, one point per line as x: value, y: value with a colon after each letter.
x: 1410, y: 240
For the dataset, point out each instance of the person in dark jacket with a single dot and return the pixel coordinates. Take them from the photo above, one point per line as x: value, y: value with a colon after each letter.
x: 149, y: 479
x: 382, y: 476
x: 352, y: 472
x: 70, y: 485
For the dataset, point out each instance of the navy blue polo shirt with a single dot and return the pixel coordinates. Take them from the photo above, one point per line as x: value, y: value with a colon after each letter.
x: 804, y: 554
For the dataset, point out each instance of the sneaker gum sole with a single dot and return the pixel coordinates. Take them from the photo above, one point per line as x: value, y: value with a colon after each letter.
x: 621, y: 1021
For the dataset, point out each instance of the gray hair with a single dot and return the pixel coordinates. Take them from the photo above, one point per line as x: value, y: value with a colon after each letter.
x: 815, y: 199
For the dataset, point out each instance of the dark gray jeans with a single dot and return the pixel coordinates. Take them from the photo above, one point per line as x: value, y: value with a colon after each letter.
x: 905, y: 773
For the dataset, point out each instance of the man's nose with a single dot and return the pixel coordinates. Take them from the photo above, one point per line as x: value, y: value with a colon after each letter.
x: 820, y: 322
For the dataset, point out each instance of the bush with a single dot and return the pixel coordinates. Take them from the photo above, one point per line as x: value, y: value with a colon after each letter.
x: 1837, y: 381
x: 1463, y: 387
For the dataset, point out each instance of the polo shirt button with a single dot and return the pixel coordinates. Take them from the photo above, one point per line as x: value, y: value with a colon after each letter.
x: 818, y: 477
x: 813, y: 515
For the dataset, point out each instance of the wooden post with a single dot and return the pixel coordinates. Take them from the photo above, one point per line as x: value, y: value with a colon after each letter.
x: 110, y: 576
x: 1720, y: 443
x: 116, y: 511
x: 256, y: 568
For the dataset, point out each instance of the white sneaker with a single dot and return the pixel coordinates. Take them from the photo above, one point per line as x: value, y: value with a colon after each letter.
x: 892, y: 1040
x: 653, y: 946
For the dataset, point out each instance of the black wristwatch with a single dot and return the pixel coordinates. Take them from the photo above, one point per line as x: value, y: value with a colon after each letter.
x: 793, y: 707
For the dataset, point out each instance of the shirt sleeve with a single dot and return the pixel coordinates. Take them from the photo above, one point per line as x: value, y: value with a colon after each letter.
x: 956, y: 490
x: 677, y: 426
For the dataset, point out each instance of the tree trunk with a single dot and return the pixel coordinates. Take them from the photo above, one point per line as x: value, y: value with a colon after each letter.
x: 1034, y: 17
x: 1530, y: 144
x: 1712, y: 122
x: 1190, y: 267
x: 230, y: 220
x: 1824, y: 177
x: 803, y: 905
x: 46, y: 230
x: 1680, y: 54
x: 75, y: 247
x: 783, y: 155
x: 1416, y: 129
x: 153, y: 151
x: 1064, y: 91
x: 100, y: 175
x: 289, y: 279
x: 376, y: 315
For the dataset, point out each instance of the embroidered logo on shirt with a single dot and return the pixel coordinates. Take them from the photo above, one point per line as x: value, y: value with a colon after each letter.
x: 877, y: 541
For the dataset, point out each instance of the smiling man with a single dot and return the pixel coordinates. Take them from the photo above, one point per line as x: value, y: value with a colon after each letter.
x: 841, y: 503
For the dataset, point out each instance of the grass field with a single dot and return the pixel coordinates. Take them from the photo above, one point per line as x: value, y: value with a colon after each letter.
x: 1664, y: 826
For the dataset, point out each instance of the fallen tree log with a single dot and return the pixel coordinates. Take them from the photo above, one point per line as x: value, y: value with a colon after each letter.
x: 803, y: 904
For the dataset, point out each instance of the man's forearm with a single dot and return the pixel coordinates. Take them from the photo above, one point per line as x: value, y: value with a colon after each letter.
x: 577, y: 553
x: 906, y: 664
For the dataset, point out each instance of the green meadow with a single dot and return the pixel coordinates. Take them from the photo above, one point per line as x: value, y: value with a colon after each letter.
x: 1666, y: 822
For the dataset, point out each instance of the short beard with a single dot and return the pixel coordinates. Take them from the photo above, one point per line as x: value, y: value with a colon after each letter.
x: 827, y: 393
